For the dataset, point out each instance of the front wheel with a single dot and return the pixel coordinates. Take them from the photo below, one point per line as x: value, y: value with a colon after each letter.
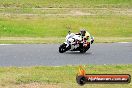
x: 62, y: 48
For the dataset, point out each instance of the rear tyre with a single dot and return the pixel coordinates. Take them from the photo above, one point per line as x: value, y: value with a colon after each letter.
x: 84, y: 49
x: 62, y: 48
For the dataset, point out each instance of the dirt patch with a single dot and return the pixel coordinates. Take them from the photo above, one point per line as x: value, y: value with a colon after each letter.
x: 77, y: 12
x: 71, y: 12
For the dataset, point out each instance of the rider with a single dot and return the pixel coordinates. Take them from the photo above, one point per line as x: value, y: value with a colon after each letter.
x: 86, y: 37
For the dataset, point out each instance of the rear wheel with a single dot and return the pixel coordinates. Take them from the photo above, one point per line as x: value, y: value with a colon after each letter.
x: 62, y: 48
x: 84, y: 49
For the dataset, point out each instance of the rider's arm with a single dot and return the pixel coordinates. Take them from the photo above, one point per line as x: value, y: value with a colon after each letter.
x: 87, y: 36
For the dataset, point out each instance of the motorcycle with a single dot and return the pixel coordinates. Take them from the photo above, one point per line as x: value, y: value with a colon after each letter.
x: 74, y: 43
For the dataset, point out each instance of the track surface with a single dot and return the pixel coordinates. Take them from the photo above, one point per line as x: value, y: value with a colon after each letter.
x: 48, y: 55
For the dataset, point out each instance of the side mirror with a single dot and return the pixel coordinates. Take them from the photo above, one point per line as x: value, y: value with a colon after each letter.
x: 69, y: 32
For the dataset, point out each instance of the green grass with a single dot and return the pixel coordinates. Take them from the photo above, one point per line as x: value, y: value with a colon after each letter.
x: 106, y: 26
x: 65, y: 3
x: 63, y: 76
x: 41, y: 28
x: 50, y: 18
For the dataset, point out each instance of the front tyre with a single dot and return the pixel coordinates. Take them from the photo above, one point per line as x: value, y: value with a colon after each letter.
x: 62, y: 48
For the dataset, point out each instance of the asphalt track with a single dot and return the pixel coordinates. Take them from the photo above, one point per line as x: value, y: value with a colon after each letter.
x: 48, y: 55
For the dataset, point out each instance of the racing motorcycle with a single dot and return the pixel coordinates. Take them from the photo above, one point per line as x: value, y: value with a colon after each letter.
x: 74, y: 43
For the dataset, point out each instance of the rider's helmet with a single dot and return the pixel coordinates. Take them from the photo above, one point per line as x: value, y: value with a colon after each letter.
x: 82, y: 32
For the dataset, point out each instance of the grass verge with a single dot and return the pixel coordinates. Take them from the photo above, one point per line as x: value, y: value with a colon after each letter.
x: 37, y: 26
x: 38, y: 21
x: 63, y: 76
x: 57, y: 40
x: 42, y: 29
